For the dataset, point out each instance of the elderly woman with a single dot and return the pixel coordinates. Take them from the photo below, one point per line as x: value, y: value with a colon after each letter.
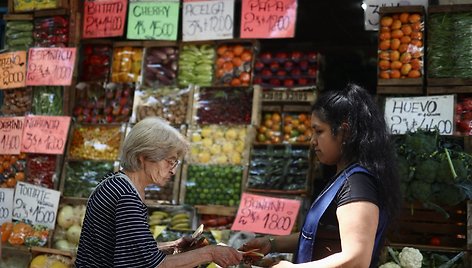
x: 115, y: 231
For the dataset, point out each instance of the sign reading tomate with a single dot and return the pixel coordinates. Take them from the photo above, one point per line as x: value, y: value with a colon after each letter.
x: 52, y: 66
x: 268, y: 18
x: 267, y: 215
x: 13, y: 69
x: 11, y: 129
x: 45, y: 134
x: 104, y: 18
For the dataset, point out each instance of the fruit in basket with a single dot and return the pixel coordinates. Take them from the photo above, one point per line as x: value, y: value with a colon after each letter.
x: 233, y: 65
x: 196, y: 65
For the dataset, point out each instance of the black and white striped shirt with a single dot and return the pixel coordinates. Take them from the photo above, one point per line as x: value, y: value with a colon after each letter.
x: 115, y: 232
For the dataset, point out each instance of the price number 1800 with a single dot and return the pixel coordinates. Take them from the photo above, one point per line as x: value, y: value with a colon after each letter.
x: 276, y: 222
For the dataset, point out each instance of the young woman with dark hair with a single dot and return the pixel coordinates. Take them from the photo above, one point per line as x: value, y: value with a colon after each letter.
x: 346, y: 223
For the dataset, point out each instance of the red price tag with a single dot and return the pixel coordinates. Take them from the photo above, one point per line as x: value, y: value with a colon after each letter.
x: 268, y: 19
x: 45, y: 134
x: 52, y: 66
x: 104, y: 18
x: 11, y: 129
x: 266, y: 215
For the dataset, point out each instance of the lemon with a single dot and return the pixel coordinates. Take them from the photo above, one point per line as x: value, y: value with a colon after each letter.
x: 228, y: 147
x: 196, y: 137
x: 39, y: 261
x: 222, y: 159
x: 219, y: 134
x: 215, y: 149
x: 239, y: 146
x: 206, y: 132
x: 58, y: 264
x: 235, y: 158
x: 231, y: 134
x: 207, y: 142
x: 204, y: 157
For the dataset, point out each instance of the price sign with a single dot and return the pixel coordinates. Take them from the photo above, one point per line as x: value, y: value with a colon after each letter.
x: 428, y: 113
x: 52, y: 66
x: 268, y: 18
x: 11, y: 129
x: 207, y: 20
x: 45, y: 134
x: 288, y: 96
x: 104, y: 18
x: 6, y: 205
x: 267, y: 215
x: 153, y: 19
x: 372, y: 8
x: 35, y: 204
x: 13, y: 69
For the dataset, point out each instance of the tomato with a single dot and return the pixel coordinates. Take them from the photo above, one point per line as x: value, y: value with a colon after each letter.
x: 435, y: 241
x: 467, y: 104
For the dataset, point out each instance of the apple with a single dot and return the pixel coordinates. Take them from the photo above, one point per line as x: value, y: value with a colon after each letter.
x: 303, y: 81
x: 257, y: 80
x: 289, y: 82
x: 274, y: 66
x: 258, y: 65
x: 312, y: 56
x: 281, y: 56
x: 296, y: 73
x: 275, y: 82
x: 266, y: 57
x: 312, y: 72
x: 303, y: 65
x: 288, y: 65
x: 296, y: 56
x: 266, y: 73
x: 281, y: 74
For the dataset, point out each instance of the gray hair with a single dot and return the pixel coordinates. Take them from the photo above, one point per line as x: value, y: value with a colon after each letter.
x: 154, y: 139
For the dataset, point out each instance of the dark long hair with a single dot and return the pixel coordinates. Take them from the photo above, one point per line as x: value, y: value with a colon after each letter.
x: 367, y: 139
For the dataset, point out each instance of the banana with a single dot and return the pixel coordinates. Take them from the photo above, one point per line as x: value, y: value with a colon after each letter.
x: 180, y: 216
x: 181, y: 226
x: 157, y: 217
x: 160, y: 212
x: 179, y: 221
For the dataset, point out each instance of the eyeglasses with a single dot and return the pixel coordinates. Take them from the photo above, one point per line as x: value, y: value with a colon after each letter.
x: 173, y: 163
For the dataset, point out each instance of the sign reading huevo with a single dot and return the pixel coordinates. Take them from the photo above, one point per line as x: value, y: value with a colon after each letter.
x: 52, y: 66
x: 104, y: 18
x: 13, y: 69
x: 266, y: 215
x: 268, y: 18
x: 45, y: 134
x: 11, y: 130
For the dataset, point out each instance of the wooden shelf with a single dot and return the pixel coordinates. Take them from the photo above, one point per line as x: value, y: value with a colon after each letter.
x: 216, y: 210
x: 400, y: 82
x: 52, y: 251
x: 400, y: 90
x: 449, y: 8
x: 401, y: 9
x: 449, y: 90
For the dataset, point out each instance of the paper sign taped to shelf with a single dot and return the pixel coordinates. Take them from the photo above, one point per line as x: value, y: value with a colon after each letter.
x: 207, y: 20
x: 153, y: 19
x: 35, y: 204
x: 52, y: 66
x: 268, y: 19
x: 428, y: 113
x: 6, y: 205
x: 104, y: 18
x: 266, y: 215
x: 372, y: 9
x: 45, y: 134
x: 11, y: 131
x: 13, y: 69
x: 288, y: 96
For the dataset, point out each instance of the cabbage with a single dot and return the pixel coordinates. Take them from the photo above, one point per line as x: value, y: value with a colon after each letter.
x: 73, y: 234
x: 66, y: 217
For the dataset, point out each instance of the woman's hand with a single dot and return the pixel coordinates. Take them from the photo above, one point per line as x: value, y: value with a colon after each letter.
x: 224, y: 256
x: 259, y: 245
x: 283, y: 264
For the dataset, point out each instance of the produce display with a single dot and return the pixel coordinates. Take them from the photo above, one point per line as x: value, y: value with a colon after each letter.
x: 216, y: 221
x: 96, y: 62
x: 463, y: 116
x: 213, y: 185
x: 47, y: 100
x: 224, y: 106
x: 401, y: 45
x: 291, y: 128
x: 449, y: 43
x: 233, y: 65
x: 286, y: 69
x: 126, y: 66
x: 12, y: 169
x: 69, y: 227
x: 17, y: 101
x: 18, y: 35
x: 51, y: 261
x: 28, y: 5
x: 168, y: 103
x: 196, y: 65
x: 176, y: 219
x: 213, y: 144
x: 99, y: 103
x: 81, y: 177
x: 41, y: 170
x: 160, y: 66
x: 281, y: 168
x: 51, y: 32
x: 432, y: 171
x: 165, y: 193
x: 21, y: 233
x: 96, y: 142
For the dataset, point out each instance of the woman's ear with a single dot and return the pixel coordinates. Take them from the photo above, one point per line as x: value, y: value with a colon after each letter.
x: 345, y: 131
x: 141, y: 161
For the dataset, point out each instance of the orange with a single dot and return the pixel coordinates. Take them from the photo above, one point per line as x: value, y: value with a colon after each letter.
x: 404, y: 17
x: 416, y: 35
x: 384, y: 65
x: 405, y: 39
x: 395, y: 44
x: 405, y: 57
x: 396, y: 65
x: 415, y: 64
x: 235, y: 82
x: 220, y: 61
x: 238, y: 50
x: 386, y: 21
x: 395, y: 74
x: 246, y: 56
x: 384, y: 45
x: 394, y: 55
x: 276, y: 118
x: 384, y: 29
x: 406, y: 29
x: 384, y: 75
x: 405, y: 69
x: 220, y: 73
x: 302, y: 117
x: 11, y: 182
x: 20, y: 176
x: 245, y: 76
x: 414, y: 18
x: 237, y: 61
x: 397, y: 24
x: 287, y: 129
x: 385, y: 36
x: 228, y: 66
x: 228, y: 55
x: 416, y: 26
x: 417, y: 54
x: 384, y: 55
x: 221, y: 50
x: 403, y: 48
x: 414, y: 74
x: 397, y: 34
x: 417, y: 43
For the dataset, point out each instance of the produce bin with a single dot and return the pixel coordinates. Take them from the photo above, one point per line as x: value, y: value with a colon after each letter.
x: 196, y: 62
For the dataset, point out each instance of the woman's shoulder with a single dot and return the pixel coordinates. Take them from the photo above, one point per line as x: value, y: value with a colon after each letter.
x: 359, y: 186
x: 116, y: 182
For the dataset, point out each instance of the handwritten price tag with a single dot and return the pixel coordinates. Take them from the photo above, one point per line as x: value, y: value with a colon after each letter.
x: 268, y: 19
x: 6, y: 205
x: 45, y: 134
x: 50, y: 66
x: 207, y: 20
x: 11, y: 129
x: 153, y: 19
x: 13, y: 69
x: 35, y: 204
x: 428, y: 113
x: 104, y: 18
x: 266, y: 215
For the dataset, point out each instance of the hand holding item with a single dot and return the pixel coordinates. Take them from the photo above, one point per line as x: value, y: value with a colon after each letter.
x: 256, y: 249
x: 225, y: 256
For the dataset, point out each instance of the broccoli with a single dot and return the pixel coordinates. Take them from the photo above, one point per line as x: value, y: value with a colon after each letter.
x: 403, y: 169
x: 426, y: 170
x: 448, y: 194
x: 421, y: 142
x: 420, y: 190
x: 444, y: 173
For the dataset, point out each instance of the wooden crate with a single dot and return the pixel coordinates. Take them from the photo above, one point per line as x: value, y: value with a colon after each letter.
x: 417, y: 225
x: 60, y: 4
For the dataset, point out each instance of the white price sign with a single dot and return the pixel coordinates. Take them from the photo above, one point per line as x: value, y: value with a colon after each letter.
x: 372, y: 8
x: 6, y: 205
x: 428, y: 113
x: 35, y: 204
x: 207, y: 20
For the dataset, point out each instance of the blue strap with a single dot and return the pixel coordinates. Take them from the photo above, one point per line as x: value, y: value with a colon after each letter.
x: 308, y: 232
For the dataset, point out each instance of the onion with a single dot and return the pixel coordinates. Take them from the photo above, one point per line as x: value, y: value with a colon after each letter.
x: 73, y: 234
x: 62, y: 245
x: 66, y: 217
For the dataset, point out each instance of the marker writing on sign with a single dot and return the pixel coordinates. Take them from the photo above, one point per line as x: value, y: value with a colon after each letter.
x: 8, y: 62
x: 11, y: 124
x: 139, y: 11
x: 156, y: 25
x: 207, y: 17
x: 104, y: 8
x: 103, y: 18
x: 50, y: 124
x: 51, y: 55
x: 252, y: 203
x: 2, y: 197
x: 253, y: 19
x: 429, y: 107
x: 42, y: 196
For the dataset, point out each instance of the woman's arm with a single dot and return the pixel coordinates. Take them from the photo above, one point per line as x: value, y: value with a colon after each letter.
x: 357, y: 227
x: 222, y: 255
x: 285, y: 243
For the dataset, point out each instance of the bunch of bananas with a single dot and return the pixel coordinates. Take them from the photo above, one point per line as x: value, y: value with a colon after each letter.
x: 175, y: 220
